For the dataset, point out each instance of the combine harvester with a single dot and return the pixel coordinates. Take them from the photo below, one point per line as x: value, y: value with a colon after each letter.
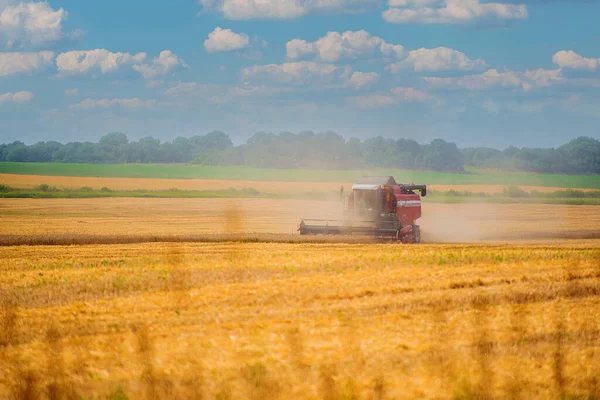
x: 377, y: 207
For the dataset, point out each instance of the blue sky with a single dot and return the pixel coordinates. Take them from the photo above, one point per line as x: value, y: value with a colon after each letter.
x: 474, y: 72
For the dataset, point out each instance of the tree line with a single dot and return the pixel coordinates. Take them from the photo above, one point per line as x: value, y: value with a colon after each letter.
x: 327, y: 150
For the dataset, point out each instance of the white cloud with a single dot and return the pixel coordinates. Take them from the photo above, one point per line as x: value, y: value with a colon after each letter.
x: 570, y: 59
x: 334, y: 47
x: 225, y: 40
x: 298, y: 73
x: 371, y: 101
x: 18, y: 98
x: 186, y: 89
x: 360, y: 80
x: 216, y: 94
x: 398, y: 94
x: 81, y: 62
x: 281, y: 9
x: 298, y: 48
x: 543, y: 77
x: 452, y: 12
x: 492, y: 79
x: 411, y: 3
x: 129, y: 104
x: 438, y: 59
x: 30, y: 24
x: 409, y: 94
x: 166, y: 62
x: 255, y: 90
x: 348, y: 45
x: 72, y: 92
x: 15, y: 63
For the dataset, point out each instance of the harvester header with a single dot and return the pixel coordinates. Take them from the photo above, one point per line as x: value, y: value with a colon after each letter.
x: 378, y: 207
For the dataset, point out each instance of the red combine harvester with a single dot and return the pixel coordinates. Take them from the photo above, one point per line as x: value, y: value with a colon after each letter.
x: 378, y: 207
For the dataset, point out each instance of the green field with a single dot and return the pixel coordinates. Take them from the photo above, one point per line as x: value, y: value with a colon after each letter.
x: 178, y: 171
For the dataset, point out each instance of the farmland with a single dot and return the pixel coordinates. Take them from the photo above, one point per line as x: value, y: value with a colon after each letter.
x: 301, y: 321
x: 295, y: 175
x: 155, y: 218
x: 221, y: 299
x: 271, y: 187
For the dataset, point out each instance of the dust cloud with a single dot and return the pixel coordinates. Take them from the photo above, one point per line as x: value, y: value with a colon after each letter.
x: 453, y: 223
x: 468, y: 222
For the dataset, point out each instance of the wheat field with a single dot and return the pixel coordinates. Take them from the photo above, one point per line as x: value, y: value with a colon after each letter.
x: 509, y: 307
x: 271, y: 187
x: 300, y: 321
x: 156, y: 218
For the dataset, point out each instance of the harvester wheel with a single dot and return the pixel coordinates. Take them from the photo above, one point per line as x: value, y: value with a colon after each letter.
x: 417, y: 233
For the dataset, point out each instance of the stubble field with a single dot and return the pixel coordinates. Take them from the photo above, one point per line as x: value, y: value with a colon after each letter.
x: 509, y: 307
x: 282, y: 188
x: 154, y: 219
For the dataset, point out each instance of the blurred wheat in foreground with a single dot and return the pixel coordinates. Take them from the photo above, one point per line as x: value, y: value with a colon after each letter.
x: 300, y: 321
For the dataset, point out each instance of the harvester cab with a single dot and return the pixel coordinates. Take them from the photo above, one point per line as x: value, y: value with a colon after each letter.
x: 378, y: 207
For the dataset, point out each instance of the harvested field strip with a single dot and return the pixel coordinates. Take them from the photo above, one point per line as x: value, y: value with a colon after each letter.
x: 274, y: 187
x: 30, y: 181
x: 66, y: 239
x: 191, y: 219
x: 301, y: 321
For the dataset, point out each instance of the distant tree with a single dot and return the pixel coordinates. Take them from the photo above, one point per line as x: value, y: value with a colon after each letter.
x: 583, y: 155
x: 114, y: 139
x: 312, y: 150
x: 149, y: 149
x: 113, y: 147
x: 440, y: 155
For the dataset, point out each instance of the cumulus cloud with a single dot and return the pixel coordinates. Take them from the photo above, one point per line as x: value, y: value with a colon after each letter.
x: 161, y: 65
x: 281, y: 9
x: 335, y: 46
x: 452, y: 12
x: 129, y: 104
x: 348, y: 45
x: 542, y: 77
x: 15, y: 63
x: 18, y: 98
x: 72, y: 92
x: 438, y: 59
x: 360, y: 80
x: 409, y: 94
x: 572, y: 60
x: 30, y: 24
x: 225, y: 40
x: 492, y: 79
x: 298, y: 73
x: 81, y: 62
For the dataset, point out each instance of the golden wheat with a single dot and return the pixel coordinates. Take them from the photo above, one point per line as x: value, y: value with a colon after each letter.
x: 274, y: 187
x: 300, y: 321
x: 308, y: 319
x: 161, y: 218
